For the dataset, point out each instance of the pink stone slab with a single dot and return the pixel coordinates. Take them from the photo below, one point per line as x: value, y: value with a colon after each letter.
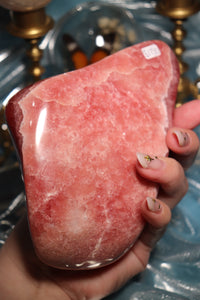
x: 77, y: 135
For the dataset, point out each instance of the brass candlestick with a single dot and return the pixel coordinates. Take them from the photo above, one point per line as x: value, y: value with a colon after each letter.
x: 178, y: 11
x: 30, y: 22
x: 31, y: 25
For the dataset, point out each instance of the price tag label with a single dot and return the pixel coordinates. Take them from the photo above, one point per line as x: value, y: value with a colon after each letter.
x: 151, y: 51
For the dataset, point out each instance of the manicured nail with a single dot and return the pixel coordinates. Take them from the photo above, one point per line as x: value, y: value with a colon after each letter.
x: 147, y: 161
x: 153, y: 204
x: 182, y: 137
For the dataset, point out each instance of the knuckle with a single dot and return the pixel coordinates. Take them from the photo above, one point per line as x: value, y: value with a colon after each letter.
x: 174, y: 175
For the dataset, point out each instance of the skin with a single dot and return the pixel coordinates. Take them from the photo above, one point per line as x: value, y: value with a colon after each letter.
x: 23, y: 276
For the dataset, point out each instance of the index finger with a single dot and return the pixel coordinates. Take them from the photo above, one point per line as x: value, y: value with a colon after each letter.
x: 188, y: 115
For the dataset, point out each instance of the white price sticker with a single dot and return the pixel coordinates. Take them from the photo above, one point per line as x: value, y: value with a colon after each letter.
x: 151, y: 51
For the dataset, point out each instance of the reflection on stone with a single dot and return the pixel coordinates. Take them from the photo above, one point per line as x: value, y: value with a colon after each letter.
x: 77, y: 135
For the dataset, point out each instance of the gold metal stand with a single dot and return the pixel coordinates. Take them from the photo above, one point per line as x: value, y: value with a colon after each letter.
x: 178, y: 11
x: 31, y: 25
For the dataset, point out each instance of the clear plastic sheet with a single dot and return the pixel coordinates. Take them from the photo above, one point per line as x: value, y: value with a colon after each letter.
x: 173, y: 271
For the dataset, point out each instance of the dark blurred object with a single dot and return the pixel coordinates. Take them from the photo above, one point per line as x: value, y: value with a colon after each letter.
x: 5, y: 140
x: 11, y: 184
x: 103, y: 46
x: 77, y: 55
x: 91, y: 31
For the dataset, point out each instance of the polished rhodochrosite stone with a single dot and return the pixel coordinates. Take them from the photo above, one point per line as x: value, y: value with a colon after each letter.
x: 77, y: 135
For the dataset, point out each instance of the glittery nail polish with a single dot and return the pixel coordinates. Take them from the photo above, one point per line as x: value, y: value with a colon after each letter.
x: 149, y: 162
x: 153, y: 204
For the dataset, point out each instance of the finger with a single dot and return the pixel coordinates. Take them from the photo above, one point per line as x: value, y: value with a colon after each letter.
x: 157, y: 214
x: 183, y: 144
x: 187, y: 115
x: 168, y: 173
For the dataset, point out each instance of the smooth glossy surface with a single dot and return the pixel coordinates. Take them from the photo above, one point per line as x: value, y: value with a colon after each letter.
x: 77, y: 135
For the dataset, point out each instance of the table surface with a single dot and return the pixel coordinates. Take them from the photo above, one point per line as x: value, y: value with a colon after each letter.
x: 173, y: 271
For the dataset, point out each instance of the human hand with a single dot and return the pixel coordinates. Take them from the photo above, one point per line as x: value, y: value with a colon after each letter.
x: 23, y: 276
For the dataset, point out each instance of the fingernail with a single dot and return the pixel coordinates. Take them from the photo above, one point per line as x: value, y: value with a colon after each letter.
x: 147, y: 161
x: 182, y: 137
x: 153, y: 204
